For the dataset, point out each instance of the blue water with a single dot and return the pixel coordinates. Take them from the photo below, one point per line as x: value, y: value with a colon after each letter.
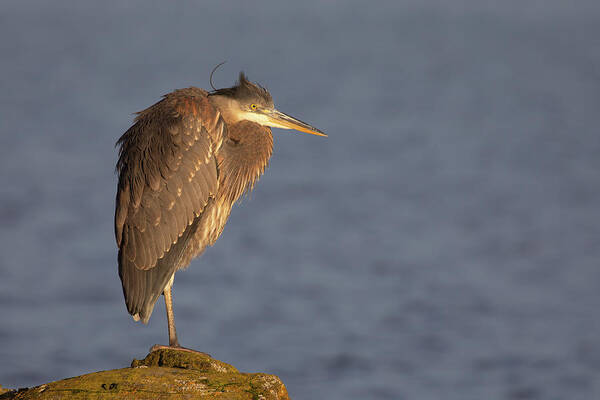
x: 443, y: 242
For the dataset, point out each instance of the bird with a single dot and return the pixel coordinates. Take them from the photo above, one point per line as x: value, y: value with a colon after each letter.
x: 182, y: 165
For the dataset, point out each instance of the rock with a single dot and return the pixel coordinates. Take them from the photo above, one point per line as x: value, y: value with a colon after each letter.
x: 163, y: 374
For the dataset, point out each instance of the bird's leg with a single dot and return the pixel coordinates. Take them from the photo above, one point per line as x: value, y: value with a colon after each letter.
x: 173, y: 342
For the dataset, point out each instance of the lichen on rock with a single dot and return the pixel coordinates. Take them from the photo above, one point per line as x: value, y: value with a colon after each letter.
x: 163, y: 374
x: 183, y: 359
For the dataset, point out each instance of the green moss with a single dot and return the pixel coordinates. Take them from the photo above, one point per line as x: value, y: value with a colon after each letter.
x: 183, y: 359
x: 3, y: 390
x: 163, y: 374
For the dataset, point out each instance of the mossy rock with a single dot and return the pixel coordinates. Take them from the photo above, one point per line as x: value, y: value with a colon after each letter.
x: 183, y: 359
x: 163, y: 374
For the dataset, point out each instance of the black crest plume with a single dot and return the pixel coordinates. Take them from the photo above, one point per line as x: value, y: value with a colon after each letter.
x: 212, y: 72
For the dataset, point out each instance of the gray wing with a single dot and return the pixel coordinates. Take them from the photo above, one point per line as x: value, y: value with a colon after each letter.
x: 167, y: 175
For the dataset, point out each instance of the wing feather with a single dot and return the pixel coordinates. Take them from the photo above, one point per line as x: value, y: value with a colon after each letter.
x: 167, y: 175
x: 131, y: 244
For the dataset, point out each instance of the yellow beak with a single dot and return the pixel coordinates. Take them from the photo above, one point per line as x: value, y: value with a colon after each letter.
x: 278, y: 119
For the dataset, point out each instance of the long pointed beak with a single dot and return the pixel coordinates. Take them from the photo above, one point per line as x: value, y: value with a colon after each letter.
x: 278, y: 119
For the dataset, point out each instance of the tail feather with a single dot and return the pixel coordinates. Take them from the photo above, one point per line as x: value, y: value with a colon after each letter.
x: 142, y: 288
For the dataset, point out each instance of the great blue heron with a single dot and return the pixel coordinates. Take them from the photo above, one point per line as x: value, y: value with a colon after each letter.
x: 182, y: 165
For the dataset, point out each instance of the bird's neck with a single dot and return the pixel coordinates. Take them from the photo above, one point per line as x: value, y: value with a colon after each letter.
x: 227, y: 108
x: 243, y: 157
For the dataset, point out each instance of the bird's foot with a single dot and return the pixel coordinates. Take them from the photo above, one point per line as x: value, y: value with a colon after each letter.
x: 177, y: 348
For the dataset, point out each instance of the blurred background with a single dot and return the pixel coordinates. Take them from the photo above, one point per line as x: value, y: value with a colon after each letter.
x: 443, y: 242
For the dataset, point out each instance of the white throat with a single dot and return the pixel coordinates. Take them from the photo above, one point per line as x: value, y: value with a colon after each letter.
x: 261, y: 119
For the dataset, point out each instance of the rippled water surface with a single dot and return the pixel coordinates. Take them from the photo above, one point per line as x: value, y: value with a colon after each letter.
x: 443, y: 242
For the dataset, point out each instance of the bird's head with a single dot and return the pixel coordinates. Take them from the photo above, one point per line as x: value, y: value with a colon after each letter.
x: 247, y: 101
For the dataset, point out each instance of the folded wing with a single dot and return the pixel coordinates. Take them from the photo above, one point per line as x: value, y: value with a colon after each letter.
x: 167, y: 175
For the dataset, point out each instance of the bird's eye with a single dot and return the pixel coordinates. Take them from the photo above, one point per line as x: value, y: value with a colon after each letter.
x: 253, y: 106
